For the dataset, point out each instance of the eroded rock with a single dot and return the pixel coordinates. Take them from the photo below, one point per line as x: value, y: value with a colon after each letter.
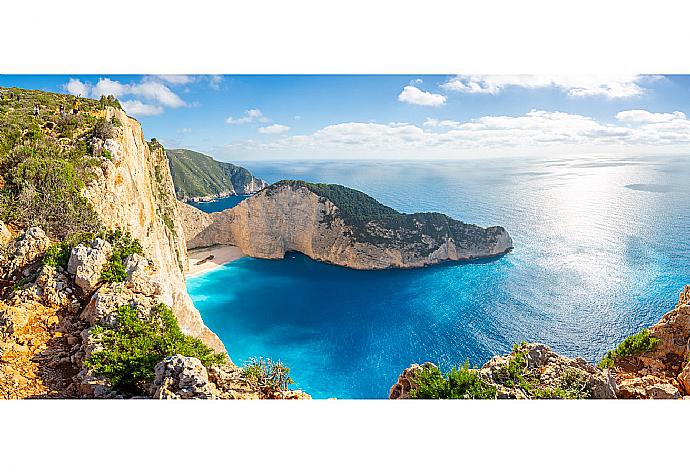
x: 86, y: 263
x: 181, y: 377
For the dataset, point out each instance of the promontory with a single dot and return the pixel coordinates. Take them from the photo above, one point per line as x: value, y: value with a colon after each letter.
x: 341, y: 226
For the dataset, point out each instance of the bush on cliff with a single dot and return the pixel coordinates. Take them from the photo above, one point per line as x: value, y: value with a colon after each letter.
x: 633, y: 345
x: 459, y: 383
x: 124, y: 245
x: 138, y: 342
x: 267, y: 376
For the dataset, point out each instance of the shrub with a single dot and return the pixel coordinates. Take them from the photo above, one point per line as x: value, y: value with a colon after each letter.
x: 633, y: 345
x: 137, y: 343
x: 267, y: 376
x: 124, y: 245
x: 459, y: 383
x: 103, y: 129
x: 57, y: 255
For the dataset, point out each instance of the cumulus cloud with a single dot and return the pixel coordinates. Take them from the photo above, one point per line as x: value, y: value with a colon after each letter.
x: 138, y: 108
x: 274, y: 129
x: 157, y: 95
x: 644, y: 116
x: 251, y: 115
x: 535, y: 132
x: 413, y: 95
x: 618, y: 86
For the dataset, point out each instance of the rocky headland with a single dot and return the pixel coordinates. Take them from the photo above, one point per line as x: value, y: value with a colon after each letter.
x: 341, y: 226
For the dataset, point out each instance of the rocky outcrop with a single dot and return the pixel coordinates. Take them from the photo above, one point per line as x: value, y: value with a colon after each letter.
x: 29, y: 245
x: 134, y: 191
x: 664, y: 371
x: 341, y: 226
x: 86, y: 263
x: 180, y: 377
x: 529, y: 371
x: 5, y: 234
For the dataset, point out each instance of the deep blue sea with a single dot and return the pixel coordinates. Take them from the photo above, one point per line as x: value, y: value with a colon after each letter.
x: 602, y: 249
x: 219, y: 204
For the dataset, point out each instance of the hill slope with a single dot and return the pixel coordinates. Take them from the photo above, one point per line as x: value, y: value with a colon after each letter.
x: 197, y: 176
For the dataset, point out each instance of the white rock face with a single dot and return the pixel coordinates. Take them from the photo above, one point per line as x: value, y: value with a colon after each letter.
x: 86, y: 263
x: 135, y: 192
x: 286, y: 218
x: 180, y: 377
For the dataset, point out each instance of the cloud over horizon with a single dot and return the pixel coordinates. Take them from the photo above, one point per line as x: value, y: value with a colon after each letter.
x: 618, y: 86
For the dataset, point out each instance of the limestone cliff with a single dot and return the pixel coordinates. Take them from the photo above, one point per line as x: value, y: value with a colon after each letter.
x: 341, y: 226
x: 133, y: 190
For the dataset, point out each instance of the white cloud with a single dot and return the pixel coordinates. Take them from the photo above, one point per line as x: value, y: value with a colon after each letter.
x: 537, y: 132
x: 77, y: 87
x: 176, y: 79
x: 644, y: 116
x: 185, y: 130
x: 274, y: 129
x: 157, y: 95
x: 619, y: 86
x: 214, y: 81
x: 411, y: 94
x: 137, y: 108
x: 253, y: 114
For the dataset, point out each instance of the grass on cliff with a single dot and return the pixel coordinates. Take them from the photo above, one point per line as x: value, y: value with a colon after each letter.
x: 138, y: 342
x: 459, y: 383
x: 633, y: 345
x: 46, y: 160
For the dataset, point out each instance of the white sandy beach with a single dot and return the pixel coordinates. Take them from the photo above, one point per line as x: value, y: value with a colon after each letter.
x: 221, y: 255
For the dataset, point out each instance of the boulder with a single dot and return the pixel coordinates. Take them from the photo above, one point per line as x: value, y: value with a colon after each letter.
x: 140, y: 276
x: 30, y: 245
x: 648, y: 386
x: 86, y: 263
x: 103, y: 305
x: 181, y: 377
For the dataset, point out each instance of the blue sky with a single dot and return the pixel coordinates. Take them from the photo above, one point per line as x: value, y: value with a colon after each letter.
x: 278, y: 117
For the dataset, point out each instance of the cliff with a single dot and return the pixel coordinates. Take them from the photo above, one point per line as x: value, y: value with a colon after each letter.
x: 341, y: 226
x: 197, y: 177
x: 133, y: 190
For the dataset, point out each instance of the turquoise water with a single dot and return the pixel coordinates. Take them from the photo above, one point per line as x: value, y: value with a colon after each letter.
x: 219, y: 204
x: 602, y: 249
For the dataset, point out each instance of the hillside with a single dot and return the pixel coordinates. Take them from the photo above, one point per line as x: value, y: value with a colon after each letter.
x: 197, y: 176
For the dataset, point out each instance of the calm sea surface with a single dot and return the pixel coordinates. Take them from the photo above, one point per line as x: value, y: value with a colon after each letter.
x: 602, y: 249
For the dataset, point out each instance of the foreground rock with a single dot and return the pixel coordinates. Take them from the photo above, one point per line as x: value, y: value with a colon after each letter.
x: 530, y: 371
x: 342, y: 226
x: 180, y: 377
x: 663, y: 372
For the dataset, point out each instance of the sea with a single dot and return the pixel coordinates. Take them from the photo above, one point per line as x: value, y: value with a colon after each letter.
x: 602, y: 250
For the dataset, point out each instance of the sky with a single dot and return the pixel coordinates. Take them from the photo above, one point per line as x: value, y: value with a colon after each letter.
x: 274, y: 117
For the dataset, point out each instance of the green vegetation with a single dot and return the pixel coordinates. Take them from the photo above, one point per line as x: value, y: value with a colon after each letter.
x: 267, y: 376
x: 124, y: 245
x: 634, y: 345
x: 198, y: 175
x: 459, y: 383
x: 572, y: 384
x: 138, y: 342
x: 46, y: 160
x: 358, y: 209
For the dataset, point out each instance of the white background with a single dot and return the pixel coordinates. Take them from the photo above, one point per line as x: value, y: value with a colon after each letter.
x: 354, y: 36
